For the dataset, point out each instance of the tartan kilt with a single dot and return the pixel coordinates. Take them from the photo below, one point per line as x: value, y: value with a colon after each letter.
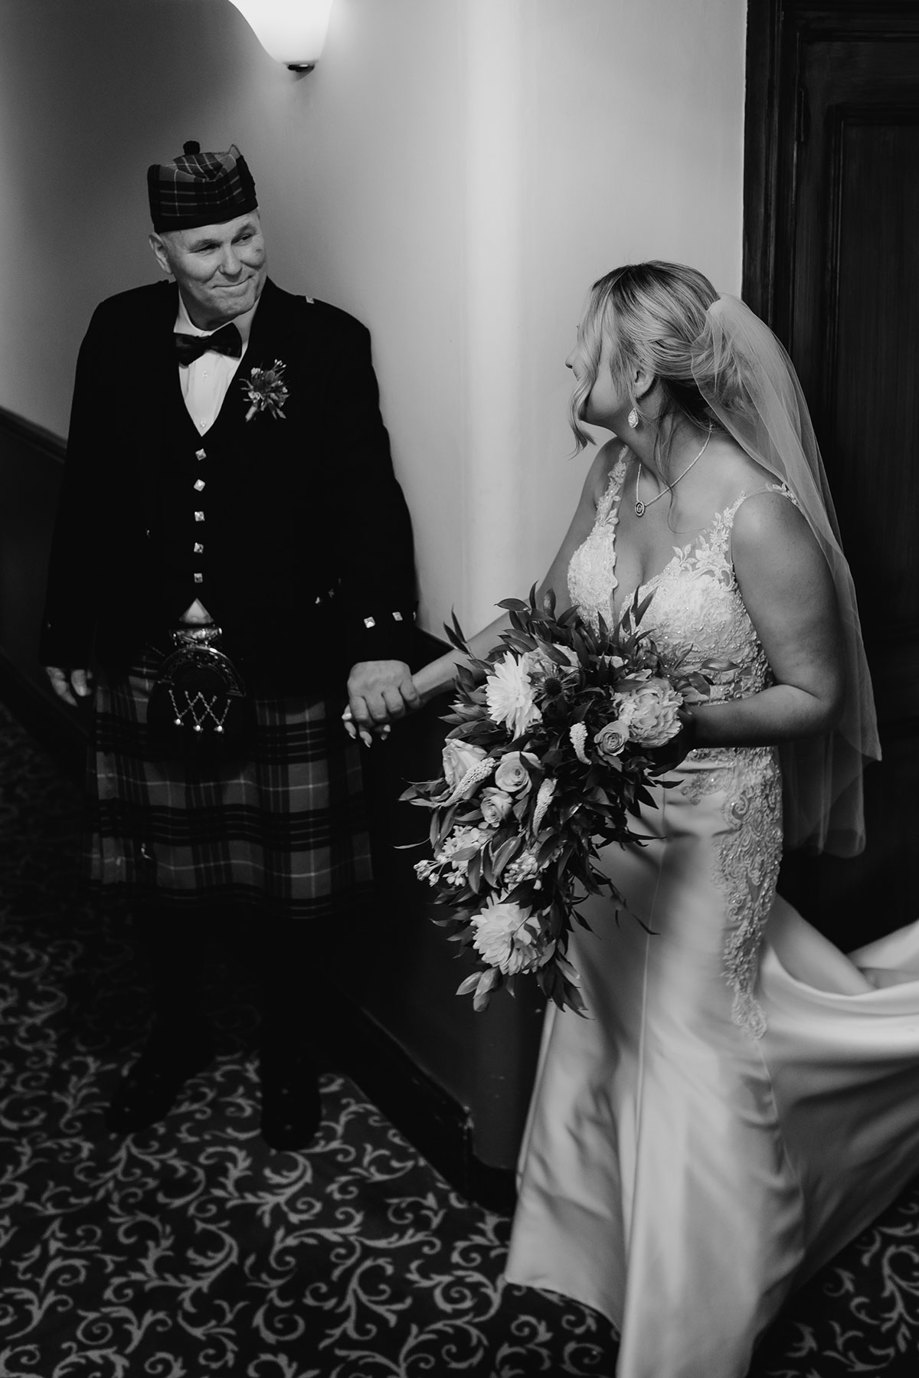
x: 281, y: 830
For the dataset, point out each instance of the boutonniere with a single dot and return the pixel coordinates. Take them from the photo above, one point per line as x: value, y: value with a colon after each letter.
x: 266, y: 390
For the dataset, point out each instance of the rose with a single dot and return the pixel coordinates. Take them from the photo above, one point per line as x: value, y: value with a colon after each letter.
x: 611, y: 738
x: 650, y: 712
x: 507, y: 936
x: 512, y: 775
x: 496, y: 805
x: 509, y: 695
x: 458, y: 759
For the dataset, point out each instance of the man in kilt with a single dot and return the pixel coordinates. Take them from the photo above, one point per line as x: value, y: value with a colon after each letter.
x: 232, y: 563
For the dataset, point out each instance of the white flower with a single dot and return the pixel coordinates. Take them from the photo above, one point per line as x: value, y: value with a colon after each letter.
x: 509, y: 694
x: 525, y: 867
x: 507, y: 936
x: 512, y: 774
x: 578, y: 734
x: 496, y: 805
x: 543, y: 800
x: 460, y: 847
x: 458, y: 758
x: 650, y: 712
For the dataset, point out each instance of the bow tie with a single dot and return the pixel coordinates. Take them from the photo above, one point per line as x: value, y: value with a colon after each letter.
x: 226, y: 340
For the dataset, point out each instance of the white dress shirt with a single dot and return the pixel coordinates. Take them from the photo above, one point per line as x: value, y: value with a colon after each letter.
x: 204, y: 382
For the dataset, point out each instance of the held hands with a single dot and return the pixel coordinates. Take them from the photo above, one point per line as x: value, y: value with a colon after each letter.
x: 379, y: 692
x: 67, y: 683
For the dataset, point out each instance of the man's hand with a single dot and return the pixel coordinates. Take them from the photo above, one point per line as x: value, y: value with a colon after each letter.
x: 379, y: 692
x: 67, y: 683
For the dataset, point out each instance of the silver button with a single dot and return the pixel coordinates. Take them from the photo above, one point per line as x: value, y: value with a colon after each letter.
x: 198, y: 578
x: 199, y: 485
x: 200, y: 454
x: 199, y: 516
x: 199, y: 547
x: 370, y: 622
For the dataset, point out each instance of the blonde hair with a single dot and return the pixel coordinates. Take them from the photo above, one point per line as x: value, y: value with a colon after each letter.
x: 655, y: 311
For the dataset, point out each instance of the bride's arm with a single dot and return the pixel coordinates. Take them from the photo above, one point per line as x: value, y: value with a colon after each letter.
x: 438, y: 675
x: 788, y: 591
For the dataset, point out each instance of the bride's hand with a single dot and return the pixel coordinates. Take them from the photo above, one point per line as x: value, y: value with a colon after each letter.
x: 672, y: 753
x: 365, y: 735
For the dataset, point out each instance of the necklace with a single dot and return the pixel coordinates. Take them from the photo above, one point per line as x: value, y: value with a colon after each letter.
x: 642, y: 507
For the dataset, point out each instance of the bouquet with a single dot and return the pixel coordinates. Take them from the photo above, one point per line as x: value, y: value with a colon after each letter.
x: 554, y: 739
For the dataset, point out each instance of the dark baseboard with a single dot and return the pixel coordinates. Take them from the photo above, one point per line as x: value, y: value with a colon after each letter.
x: 62, y: 731
x: 428, y: 1117
x: 30, y: 433
x: 431, y: 1120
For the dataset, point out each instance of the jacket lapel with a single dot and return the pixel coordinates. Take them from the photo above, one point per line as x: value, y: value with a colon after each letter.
x: 164, y: 405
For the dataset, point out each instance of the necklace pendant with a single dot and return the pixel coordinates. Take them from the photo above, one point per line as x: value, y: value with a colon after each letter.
x: 639, y: 508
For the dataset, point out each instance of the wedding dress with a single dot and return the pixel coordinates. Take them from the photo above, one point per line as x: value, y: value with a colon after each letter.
x: 743, y: 1098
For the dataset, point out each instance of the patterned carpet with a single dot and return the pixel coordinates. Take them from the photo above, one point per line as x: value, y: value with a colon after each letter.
x: 193, y: 1250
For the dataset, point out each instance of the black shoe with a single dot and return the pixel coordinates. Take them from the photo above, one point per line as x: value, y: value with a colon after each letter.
x: 291, y: 1106
x: 146, y: 1093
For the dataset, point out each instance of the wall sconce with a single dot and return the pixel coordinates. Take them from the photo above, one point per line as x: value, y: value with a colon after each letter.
x: 290, y: 31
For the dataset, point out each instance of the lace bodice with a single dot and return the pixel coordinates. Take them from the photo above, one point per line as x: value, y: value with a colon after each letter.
x: 696, y: 599
x: 697, y: 604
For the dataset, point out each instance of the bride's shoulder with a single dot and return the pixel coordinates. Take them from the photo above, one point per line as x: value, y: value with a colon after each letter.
x: 733, y: 468
x: 732, y: 475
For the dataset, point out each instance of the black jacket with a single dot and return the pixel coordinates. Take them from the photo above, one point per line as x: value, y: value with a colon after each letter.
x: 308, y: 550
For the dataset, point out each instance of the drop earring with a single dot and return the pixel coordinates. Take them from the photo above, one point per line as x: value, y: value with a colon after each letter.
x: 632, y: 419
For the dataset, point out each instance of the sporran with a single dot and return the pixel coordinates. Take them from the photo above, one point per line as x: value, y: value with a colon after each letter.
x: 198, y: 708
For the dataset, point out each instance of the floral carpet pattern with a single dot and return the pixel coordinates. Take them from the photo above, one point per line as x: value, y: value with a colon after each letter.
x: 192, y: 1249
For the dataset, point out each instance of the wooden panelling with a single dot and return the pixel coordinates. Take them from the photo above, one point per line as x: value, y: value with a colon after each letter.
x: 832, y: 263
x: 30, y: 476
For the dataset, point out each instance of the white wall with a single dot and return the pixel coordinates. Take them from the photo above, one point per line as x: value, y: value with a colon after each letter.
x: 455, y: 172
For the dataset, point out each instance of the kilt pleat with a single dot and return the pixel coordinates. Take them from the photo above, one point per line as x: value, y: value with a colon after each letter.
x: 282, y: 830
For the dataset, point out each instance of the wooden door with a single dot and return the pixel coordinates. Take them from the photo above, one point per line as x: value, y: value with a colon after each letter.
x: 832, y: 263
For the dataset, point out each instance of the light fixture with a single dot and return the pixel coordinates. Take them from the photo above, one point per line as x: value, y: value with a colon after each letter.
x: 290, y: 31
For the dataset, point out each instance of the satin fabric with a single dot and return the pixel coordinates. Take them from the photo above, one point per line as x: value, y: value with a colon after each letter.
x: 679, y: 1174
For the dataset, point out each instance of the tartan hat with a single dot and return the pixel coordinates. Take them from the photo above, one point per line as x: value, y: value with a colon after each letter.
x: 200, y: 189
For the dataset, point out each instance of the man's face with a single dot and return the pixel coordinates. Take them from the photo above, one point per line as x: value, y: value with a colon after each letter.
x: 220, y: 269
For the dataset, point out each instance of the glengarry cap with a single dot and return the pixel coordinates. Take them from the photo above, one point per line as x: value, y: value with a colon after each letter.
x: 200, y: 189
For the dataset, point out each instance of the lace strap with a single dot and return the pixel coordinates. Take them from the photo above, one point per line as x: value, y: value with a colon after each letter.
x: 724, y: 524
x: 613, y: 490
x: 731, y: 512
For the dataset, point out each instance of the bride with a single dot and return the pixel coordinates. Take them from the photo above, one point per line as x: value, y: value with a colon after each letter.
x: 743, y: 1098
